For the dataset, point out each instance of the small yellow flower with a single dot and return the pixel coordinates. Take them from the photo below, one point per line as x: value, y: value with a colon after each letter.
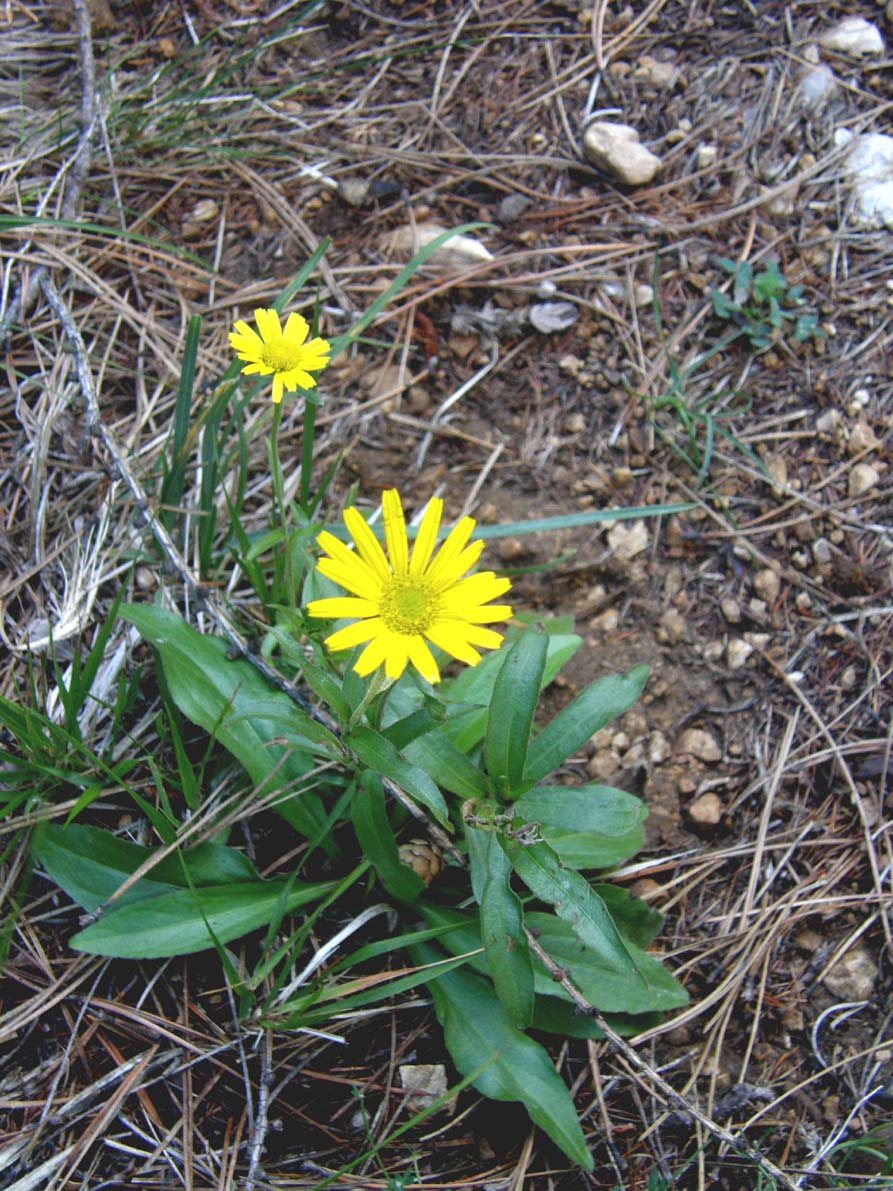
x: 280, y: 352
x: 402, y: 602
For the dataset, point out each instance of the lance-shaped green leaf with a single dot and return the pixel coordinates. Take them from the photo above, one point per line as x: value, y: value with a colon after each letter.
x: 512, y: 708
x: 182, y: 921
x: 601, y: 982
x: 578, y: 722
x: 503, y: 1063
x: 475, y: 686
x: 376, y: 838
x: 263, y: 729
x: 438, y: 756
x: 583, y: 910
x: 379, y: 754
x: 91, y: 864
x: 588, y: 826
x: 502, y: 927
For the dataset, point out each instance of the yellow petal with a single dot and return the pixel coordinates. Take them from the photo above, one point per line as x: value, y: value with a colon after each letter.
x: 373, y: 655
x: 427, y: 536
x: 245, y: 339
x: 277, y: 388
x: 268, y: 325
x: 395, y: 531
x: 335, y: 607
x: 316, y: 353
x: 444, y: 560
x: 423, y: 659
x: 476, y: 589
x: 354, y: 634
x: 486, y: 613
x: 367, y: 543
x: 458, y: 566
x: 296, y: 329
x: 356, y: 578
x: 445, y: 635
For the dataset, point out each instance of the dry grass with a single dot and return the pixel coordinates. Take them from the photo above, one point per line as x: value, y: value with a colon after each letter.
x: 192, y: 169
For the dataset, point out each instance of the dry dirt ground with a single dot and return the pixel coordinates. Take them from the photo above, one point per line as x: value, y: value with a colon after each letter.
x: 227, y: 139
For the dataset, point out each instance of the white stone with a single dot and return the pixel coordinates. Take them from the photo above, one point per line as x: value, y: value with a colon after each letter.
x: 822, y: 551
x: 767, y: 585
x: 706, y: 156
x: 653, y: 73
x: 817, y: 86
x: 829, y: 421
x: 863, y: 477
x: 862, y: 438
x: 459, y: 252
x: 658, y: 748
x: 869, y: 167
x: 616, y: 149
x: 852, y: 977
x: 737, y: 653
x: 706, y: 810
x: 697, y: 742
x: 731, y: 610
x: 853, y: 35
x: 627, y: 539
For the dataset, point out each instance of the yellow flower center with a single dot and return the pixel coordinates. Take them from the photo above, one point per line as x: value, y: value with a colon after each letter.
x: 408, y: 604
x: 281, y: 357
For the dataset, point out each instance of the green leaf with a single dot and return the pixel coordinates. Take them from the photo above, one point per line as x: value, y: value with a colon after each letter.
x: 503, y: 1063
x: 584, y: 911
x: 502, y: 932
x: 552, y: 1015
x: 475, y: 685
x: 577, y: 723
x: 652, y: 989
x: 635, y: 920
x: 180, y: 922
x: 588, y: 826
x: 91, y: 864
x: 438, y: 756
x: 223, y: 697
x: 512, y: 708
x: 379, y: 754
x: 410, y: 727
x: 376, y: 838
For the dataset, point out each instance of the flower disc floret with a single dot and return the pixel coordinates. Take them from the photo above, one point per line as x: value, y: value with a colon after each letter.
x: 401, y: 604
x: 281, y: 352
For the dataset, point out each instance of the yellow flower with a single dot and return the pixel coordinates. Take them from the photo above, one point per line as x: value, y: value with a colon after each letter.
x: 280, y: 352
x: 402, y: 602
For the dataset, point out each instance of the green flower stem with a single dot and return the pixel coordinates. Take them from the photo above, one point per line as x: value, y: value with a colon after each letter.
x: 307, y: 452
x: 280, y: 509
x: 379, y: 684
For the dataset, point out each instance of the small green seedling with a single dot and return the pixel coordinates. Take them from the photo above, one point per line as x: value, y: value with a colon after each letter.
x: 761, y: 303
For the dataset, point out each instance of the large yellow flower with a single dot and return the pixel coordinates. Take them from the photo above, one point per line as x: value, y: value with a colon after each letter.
x: 280, y: 352
x: 402, y: 602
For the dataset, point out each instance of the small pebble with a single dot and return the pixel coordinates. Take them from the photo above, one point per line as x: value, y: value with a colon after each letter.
x: 697, y: 742
x: 767, y: 585
x: 853, y: 35
x: 603, y: 765
x: 731, y: 610
x: 706, y: 810
x: 674, y: 626
x: 627, y: 539
x: 863, y: 477
x: 862, y: 438
x: 822, y: 551
x: 853, y: 975
x: 737, y: 653
x: 658, y: 748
